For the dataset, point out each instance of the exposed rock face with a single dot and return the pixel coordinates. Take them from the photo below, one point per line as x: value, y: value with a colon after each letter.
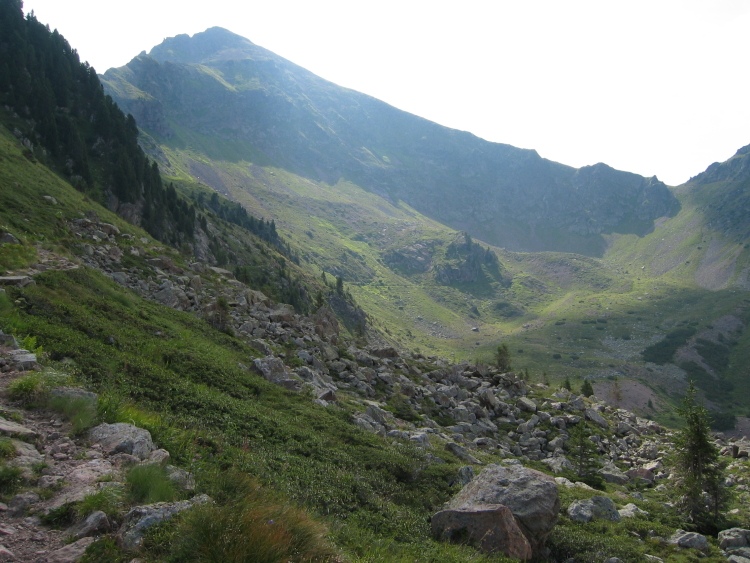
x: 530, y: 495
x: 491, y: 527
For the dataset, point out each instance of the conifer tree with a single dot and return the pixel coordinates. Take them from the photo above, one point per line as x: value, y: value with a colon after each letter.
x: 502, y: 358
x: 699, y: 471
x: 587, y: 389
x: 583, y: 454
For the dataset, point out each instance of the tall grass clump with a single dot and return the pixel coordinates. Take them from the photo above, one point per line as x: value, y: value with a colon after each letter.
x: 29, y: 390
x: 149, y: 483
x: 7, y: 449
x: 109, y: 500
x: 251, y: 528
x: 10, y: 479
x: 79, y: 411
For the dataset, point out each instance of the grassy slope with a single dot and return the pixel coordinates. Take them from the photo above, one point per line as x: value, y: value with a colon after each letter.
x: 642, y: 288
x: 213, y: 415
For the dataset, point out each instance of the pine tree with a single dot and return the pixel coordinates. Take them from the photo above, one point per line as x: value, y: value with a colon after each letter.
x: 339, y: 285
x: 587, y: 389
x: 583, y: 454
x: 502, y: 358
x: 566, y: 384
x: 698, y: 469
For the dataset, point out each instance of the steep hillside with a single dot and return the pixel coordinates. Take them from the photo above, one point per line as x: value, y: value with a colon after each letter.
x: 155, y: 405
x: 368, y: 193
x: 231, y: 100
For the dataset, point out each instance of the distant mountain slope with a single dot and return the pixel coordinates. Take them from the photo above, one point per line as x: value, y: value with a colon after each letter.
x: 723, y: 192
x: 225, y: 97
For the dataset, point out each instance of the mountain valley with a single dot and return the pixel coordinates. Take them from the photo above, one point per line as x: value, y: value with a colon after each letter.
x: 337, y: 322
x: 382, y: 192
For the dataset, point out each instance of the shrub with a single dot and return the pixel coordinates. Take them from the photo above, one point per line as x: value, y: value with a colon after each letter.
x: 150, y: 483
x: 29, y: 343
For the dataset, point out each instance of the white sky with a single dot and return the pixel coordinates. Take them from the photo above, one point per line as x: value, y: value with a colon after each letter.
x: 657, y: 87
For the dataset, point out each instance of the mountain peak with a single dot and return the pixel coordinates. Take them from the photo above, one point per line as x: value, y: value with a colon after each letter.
x: 215, y: 43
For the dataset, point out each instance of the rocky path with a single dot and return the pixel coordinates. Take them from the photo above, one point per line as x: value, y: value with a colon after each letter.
x: 58, y: 470
x: 45, y: 454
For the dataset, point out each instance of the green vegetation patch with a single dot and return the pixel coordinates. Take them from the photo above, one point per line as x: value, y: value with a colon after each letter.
x: 663, y: 351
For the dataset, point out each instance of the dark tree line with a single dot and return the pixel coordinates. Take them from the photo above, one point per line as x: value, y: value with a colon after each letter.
x: 233, y: 212
x: 85, y: 135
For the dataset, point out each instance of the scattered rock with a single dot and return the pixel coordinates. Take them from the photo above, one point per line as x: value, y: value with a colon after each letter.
x: 597, y: 418
x: 689, y: 540
x: 70, y: 553
x: 461, y: 453
x: 596, y: 507
x: 6, y: 554
x: 20, y: 503
x: 612, y: 474
x: 733, y: 538
x: 631, y: 511
x: 95, y: 523
x: 7, y: 238
x: 141, y: 518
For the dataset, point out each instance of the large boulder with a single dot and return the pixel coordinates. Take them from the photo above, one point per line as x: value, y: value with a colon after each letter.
x: 612, y: 474
x: 490, y: 527
x: 122, y: 438
x: 273, y: 369
x: 530, y: 495
x: 689, y: 540
x: 734, y: 538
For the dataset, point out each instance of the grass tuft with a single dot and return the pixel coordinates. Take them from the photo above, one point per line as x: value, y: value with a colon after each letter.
x: 10, y: 479
x: 252, y: 528
x: 7, y: 449
x: 149, y: 483
x: 80, y: 411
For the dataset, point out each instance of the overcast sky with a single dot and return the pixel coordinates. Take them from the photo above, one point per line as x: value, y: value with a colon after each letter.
x: 657, y: 87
